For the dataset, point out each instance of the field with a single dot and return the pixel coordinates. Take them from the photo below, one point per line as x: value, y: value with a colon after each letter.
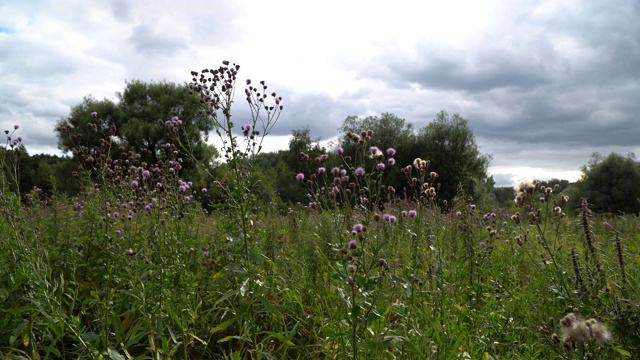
x: 128, y: 271
x: 137, y: 266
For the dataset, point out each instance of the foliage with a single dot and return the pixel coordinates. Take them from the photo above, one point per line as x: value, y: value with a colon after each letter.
x: 142, y: 120
x: 133, y: 268
x: 611, y: 183
x: 449, y: 144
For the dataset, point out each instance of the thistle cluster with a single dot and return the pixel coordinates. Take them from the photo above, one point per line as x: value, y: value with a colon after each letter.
x: 574, y: 330
x: 13, y: 142
x: 420, y: 180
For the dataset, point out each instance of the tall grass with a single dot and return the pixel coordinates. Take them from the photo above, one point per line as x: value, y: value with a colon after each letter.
x: 134, y: 268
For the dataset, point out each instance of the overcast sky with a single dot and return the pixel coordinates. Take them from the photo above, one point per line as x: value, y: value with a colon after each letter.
x: 544, y: 84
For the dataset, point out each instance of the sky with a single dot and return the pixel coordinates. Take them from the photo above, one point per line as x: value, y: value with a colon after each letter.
x: 543, y: 84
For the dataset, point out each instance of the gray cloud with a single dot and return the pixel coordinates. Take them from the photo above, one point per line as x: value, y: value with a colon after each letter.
x: 543, y: 84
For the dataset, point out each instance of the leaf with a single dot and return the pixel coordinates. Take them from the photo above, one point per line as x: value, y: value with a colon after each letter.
x: 227, y: 338
x: 622, y: 351
x: 280, y: 337
x: 115, y: 355
x: 224, y: 325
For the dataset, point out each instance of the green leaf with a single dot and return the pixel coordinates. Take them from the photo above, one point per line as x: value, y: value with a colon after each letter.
x: 622, y: 351
x: 224, y: 325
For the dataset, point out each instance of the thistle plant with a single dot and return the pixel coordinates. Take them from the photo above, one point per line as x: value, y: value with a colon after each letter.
x: 216, y: 87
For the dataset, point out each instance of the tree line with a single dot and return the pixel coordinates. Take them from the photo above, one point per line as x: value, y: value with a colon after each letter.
x: 140, y: 121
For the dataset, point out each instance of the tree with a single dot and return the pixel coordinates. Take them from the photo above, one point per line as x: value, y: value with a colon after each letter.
x: 611, y: 183
x: 389, y: 131
x: 450, y: 146
x: 141, y: 121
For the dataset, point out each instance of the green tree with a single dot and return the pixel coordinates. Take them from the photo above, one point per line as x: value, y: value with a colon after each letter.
x: 389, y: 131
x: 450, y: 146
x: 611, y: 183
x: 142, y: 120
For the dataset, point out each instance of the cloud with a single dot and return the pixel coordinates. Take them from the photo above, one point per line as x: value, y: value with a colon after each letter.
x: 543, y: 84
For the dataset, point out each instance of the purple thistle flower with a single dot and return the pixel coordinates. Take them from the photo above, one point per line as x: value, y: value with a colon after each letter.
x: 392, y: 219
x: 16, y: 127
x: 204, y: 190
x: 94, y: 114
x: 391, y: 151
x: 386, y: 217
x: 472, y: 206
x: 339, y: 150
x: 300, y: 176
x: 134, y: 184
x: 391, y: 161
x: 352, y: 245
x: 458, y: 213
x: 380, y: 166
x: 182, y: 188
x: 116, y: 214
x: 374, y: 150
x: 145, y: 173
x: 413, y: 213
x: 359, y: 171
x: 321, y: 170
x: 358, y: 227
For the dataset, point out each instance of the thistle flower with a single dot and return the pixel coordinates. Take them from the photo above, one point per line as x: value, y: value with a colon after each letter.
x: 339, y: 150
x: 300, y: 176
x: 93, y: 115
x: 322, y: 170
x: 391, y: 161
x: 391, y: 151
x: 352, y: 244
x: 358, y: 227
x: 134, y: 184
x: 359, y: 171
x: 380, y: 166
x: 412, y: 213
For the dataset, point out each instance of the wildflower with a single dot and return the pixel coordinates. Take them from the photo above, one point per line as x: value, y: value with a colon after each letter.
x: 391, y: 151
x: 412, y: 213
x: 374, y: 150
x: 386, y: 217
x: 392, y: 219
x: 134, y: 184
x: 204, y: 190
x: 358, y: 227
x: 93, y: 115
x: 458, y: 213
x: 352, y: 245
x: 339, y: 150
x: 472, y: 206
x: 145, y: 173
x: 182, y: 188
x: 380, y: 167
x: 359, y: 171
x: 321, y: 170
x: 300, y: 176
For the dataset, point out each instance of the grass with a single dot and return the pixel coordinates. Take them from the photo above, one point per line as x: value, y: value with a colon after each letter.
x: 76, y: 284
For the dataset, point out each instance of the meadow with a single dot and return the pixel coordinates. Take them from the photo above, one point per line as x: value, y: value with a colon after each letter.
x: 136, y: 268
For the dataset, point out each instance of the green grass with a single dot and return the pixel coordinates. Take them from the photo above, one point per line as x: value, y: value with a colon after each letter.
x: 78, y: 284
